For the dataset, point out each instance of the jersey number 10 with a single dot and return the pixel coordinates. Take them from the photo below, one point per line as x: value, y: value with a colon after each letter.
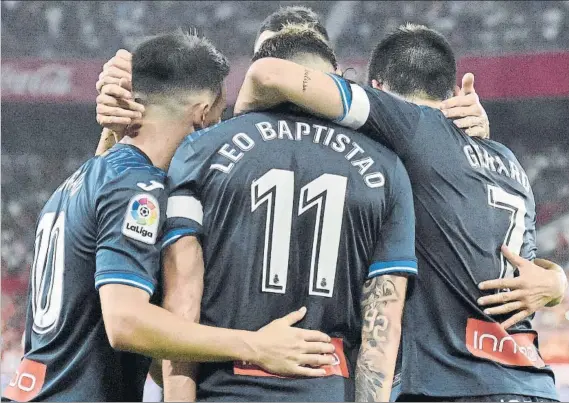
x: 327, y: 195
x: 47, y: 272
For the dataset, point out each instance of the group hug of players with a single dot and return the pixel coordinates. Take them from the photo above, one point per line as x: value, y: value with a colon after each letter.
x: 332, y: 242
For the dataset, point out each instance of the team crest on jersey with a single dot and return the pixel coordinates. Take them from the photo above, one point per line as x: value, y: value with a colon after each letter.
x: 142, y: 218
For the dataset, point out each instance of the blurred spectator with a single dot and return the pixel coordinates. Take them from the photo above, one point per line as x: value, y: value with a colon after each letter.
x: 97, y: 28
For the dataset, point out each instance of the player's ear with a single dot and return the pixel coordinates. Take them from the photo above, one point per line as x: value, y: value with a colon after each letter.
x: 377, y: 85
x: 200, y: 115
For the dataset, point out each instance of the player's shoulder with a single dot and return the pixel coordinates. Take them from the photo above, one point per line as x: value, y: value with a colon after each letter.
x: 382, y: 153
x: 215, y: 134
x: 500, y: 148
x: 389, y: 99
x: 496, y: 149
x: 124, y: 166
x: 200, y: 144
x: 124, y: 163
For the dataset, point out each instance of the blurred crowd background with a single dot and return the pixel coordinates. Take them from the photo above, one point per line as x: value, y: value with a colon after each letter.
x: 87, y: 29
x: 52, y: 53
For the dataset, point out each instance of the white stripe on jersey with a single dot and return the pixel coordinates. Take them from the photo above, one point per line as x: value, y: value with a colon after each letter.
x: 185, y: 207
x: 125, y: 281
x: 359, y: 110
x: 389, y: 270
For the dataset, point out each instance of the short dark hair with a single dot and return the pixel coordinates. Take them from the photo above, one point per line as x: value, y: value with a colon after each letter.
x: 293, y: 15
x: 415, y: 60
x: 169, y: 63
x: 293, y: 41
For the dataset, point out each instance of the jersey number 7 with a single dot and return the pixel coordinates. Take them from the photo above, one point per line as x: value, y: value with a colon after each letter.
x: 515, y: 205
x: 327, y: 195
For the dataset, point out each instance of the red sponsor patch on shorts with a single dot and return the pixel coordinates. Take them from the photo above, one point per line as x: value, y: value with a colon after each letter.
x: 488, y: 340
x: 26, y: 384
x: 340, y: 367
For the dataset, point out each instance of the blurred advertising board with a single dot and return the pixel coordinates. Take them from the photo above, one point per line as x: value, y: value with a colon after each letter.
x: 541, y: 75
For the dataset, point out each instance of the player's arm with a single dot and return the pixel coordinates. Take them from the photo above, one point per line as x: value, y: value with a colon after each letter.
x: 540, y: 283
x: 466, y: 110
x: 116, y: 109
x: 382, y: 308
x: 382, y: 117
x: 133, y: 324
x: 271, y: 81
x: 108, y: 139
x: 384, y: 293
x: 183, y: 271
x: 126, y: 271
x: 560, y: 283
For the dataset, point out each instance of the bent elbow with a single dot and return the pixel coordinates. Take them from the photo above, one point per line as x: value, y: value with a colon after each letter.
x: 264, y: 73
x: 118, y: 327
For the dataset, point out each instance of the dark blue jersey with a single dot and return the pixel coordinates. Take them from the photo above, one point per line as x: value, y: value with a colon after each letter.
x: 292, y: 211
x: 471, y: 196
x: 99, y: 227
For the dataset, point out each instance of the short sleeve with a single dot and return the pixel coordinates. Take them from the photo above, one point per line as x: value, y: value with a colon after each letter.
x: 395, y: 249
x: 184, y: 213
x: 382, y: 117
x: 184, y: 216
x: 129, y: 211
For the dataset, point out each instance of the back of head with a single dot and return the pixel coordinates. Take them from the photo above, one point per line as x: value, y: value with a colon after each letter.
x: 414, y: 61
x: 300, y: 44
x: 177, y: 65
x: 298, y: 15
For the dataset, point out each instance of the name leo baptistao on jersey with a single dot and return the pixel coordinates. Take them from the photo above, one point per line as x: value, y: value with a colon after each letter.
x: 292, y: 211
x: 99, y: 227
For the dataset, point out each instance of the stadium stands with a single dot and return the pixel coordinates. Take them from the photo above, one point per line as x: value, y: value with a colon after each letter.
x: 95, y: 29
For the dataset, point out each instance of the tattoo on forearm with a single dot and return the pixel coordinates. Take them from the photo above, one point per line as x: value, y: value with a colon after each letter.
x: 305, y: 80
x: 378, y: 294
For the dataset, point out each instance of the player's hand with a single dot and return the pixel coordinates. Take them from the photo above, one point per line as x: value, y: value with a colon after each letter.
x: 116, y: 108
x: 466, y: 110
x: 117, y: 69
x: 536, y: 287
x: 114, y: 111
x: 290, y: 351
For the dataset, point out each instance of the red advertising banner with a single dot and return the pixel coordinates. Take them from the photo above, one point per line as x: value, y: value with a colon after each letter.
x: 542, y: 75
x: 36, y: 80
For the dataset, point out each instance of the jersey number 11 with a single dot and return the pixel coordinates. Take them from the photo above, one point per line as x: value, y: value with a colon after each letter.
x: 327, y: 195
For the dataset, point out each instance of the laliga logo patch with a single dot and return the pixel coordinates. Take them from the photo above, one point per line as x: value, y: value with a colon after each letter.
x: 144, y: 211
x: 141, y: 219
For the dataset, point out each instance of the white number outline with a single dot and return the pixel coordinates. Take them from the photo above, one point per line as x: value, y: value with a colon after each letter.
x: 276, y: 188
x: 327, y: 194
x: 514, y: 239
x: 49, y: 263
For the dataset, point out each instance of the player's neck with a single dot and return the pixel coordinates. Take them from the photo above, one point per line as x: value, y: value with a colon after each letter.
x: 423, y: 101
x: 419, y: 98
x: 159, y: 137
